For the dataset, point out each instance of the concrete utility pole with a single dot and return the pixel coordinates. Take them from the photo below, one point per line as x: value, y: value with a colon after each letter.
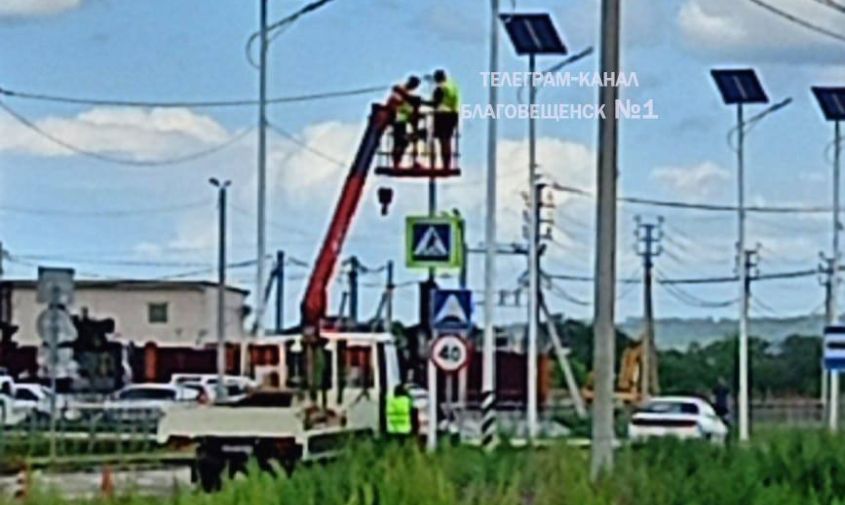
x: 833, y: 307
x: 389, y: 290
x: 488, y: 371
x: 605, y: 285
x: 354, y: 267
x: 649, y: 236
x: 747, y: 271
x: 262, y: 175
x: 280, y: 291
x: 222, y: 187
x: 826, y: 280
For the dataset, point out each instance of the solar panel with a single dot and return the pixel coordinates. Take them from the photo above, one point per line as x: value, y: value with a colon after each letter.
x: 739, y: 86
x: 533, y: 34
x: 832, y: 102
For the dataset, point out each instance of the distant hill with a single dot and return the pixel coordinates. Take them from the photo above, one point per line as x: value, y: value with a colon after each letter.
x: 679, y: 333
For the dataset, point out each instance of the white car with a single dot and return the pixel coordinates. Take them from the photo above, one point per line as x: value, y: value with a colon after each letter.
x: 685, y: 417
x: 147, y: 401
x: 236, y: 386
x: 33, y: 398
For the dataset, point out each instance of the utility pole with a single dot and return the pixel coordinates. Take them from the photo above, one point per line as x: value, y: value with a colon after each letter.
x: 389, y: 290
x: 826, y: 279
x: 833, y: 307
x: 222, y: 187
x: 488, y: 371
x: 648, y: 236
x: 747, y: 272
x: 280, y: 292
x: 262, y: 176
x: 604, y: 333
x: 354, y: 266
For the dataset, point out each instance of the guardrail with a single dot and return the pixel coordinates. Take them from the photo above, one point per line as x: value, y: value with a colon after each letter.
x: 85, y: 434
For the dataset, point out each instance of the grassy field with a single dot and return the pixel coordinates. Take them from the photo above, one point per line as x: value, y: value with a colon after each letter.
x: 779, y: 468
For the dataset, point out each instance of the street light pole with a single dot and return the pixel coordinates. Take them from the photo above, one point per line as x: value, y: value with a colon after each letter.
x: 222, y: 188
x: 533, y: 274
x: 743, y: 281
x: 833, y: 309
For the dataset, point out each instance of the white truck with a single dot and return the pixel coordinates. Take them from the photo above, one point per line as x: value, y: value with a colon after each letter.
x: 281, y: 423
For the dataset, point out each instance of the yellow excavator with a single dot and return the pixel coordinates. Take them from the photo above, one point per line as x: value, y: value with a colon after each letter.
x: 628, y: 380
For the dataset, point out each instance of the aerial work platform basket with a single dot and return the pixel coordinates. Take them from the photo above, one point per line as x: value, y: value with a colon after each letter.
x: 422, y: 156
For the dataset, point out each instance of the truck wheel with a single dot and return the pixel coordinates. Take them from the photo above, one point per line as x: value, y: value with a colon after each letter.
x: 209, y: 468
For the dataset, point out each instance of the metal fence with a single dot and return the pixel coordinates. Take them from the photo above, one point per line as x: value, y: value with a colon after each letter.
x: 83, y: 433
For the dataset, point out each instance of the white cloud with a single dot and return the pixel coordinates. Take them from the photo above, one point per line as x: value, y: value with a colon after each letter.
x: 693, y: 182
x: 138, y: 134
x: 30, y: 8
x: 749, y: 31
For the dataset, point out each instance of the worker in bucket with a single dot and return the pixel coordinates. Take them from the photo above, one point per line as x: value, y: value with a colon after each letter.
x: 446, y: 102
x: 400, y: 415
x: 406, y: 123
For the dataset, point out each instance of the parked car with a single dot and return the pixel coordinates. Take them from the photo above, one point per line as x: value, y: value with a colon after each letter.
x: 10, y: 414
x: 147, y: 401
x: 685, y: 417
x: 236, y: 386
x: 34, y: 398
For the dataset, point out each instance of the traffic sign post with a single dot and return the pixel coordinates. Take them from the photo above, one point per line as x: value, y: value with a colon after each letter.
x: 833, y: 357
x: 434, y: 242
x: 451, y: 320
x: 55, y: 288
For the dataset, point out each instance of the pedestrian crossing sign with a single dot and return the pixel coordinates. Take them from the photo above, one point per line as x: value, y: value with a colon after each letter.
x: 434, y: 242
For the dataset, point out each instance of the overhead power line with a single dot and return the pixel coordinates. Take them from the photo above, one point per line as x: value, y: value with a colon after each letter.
x: 799, y: 21
x: 200, y: 104
x: 112, y: 159
x: 301, y: 143
x: 833, y: 5
x: 113, y: 213
x: 700, y: 206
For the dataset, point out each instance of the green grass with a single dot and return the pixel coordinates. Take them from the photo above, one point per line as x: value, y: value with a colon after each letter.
x: 778, y: 468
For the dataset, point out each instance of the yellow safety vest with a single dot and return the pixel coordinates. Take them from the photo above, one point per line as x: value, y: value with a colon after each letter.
x: 451, y: 97
x: 404, y: 113
x: 399, y: 415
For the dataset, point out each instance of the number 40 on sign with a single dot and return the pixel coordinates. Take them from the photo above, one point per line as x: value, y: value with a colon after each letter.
x: 449, y: 353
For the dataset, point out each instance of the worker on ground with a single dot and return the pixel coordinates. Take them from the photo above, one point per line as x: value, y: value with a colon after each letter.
x: 446, y: 102
x: 400, y: 415
x: 405, y: 124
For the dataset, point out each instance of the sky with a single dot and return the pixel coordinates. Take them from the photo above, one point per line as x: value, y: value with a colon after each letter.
x: 118, y: 220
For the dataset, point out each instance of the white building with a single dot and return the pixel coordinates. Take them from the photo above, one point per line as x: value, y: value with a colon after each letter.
x: 164, y: 312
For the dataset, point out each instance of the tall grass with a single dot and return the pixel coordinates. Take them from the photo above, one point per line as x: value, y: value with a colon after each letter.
x: 779, y: 468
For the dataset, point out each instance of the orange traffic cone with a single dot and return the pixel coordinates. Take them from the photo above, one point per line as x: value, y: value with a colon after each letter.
x: 107, y: 482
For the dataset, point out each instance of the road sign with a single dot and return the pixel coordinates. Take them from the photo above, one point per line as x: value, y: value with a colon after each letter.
x: 451, y: 310
x: 450, y: 353
x: 55, y: 322
x: 434, y: 242
x: 55, y: 285
x: 834, y: 348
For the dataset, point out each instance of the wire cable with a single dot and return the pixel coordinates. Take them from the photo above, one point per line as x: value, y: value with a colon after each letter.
x: 833, y: 5
x: 799, y: 21
x: 698, y: 206
x: 113, y: 213
x: 301, y: 143
x: 202, y: 104
x: 120, y: 161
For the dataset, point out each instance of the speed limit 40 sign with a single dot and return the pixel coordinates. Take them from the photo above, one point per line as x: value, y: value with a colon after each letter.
x: 450, y: 353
